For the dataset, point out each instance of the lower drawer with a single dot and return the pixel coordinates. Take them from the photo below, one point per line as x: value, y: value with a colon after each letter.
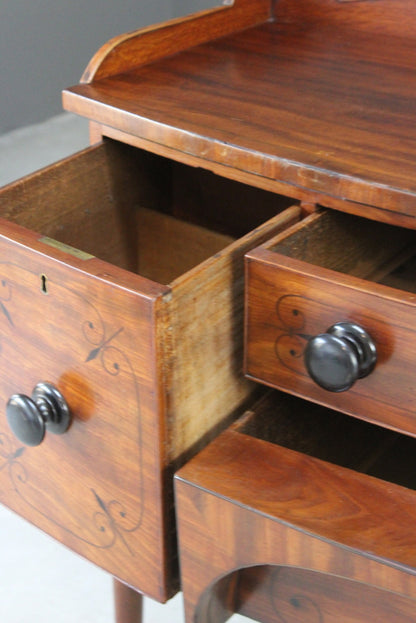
x: 121, y: 284
x: 300, y: 513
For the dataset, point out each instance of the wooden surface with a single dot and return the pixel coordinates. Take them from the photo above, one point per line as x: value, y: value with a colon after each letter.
x: 97, y: 488
x: 315, y: 101
x: 157, y: 41
x: 382, y: 17
x: 92, y: 334
x: 128, y: 604
x: 289, y: 595
x: 281, y: 535
x: 324, y: 106
x: 203, y: 359
x: 122, y: 284
x: 289, y: 300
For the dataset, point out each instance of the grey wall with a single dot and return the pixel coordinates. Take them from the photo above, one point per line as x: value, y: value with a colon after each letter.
x: 185, y: 7
x: 46, y: 44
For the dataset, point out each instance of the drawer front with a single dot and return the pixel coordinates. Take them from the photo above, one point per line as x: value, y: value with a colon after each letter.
x: 96, y: 488
x: 321, y: 508
x: 289, y: 301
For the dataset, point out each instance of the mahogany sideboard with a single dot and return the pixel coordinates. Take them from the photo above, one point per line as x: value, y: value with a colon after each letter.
x: 280, y: 131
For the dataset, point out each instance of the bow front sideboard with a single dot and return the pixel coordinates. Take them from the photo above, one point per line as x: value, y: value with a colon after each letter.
x: 244, y: 219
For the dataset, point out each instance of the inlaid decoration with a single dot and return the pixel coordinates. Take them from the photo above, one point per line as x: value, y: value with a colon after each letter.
x: 96, y: 343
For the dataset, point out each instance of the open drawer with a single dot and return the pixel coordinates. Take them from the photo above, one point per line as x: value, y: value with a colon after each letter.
x: 297, y: 513
x: 121, y: 284
x: 334, y: 268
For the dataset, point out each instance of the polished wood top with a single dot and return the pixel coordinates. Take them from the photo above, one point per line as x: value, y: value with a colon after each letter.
x: 319, y: 104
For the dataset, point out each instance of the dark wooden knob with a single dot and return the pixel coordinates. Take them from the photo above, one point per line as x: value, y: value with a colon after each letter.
x: 337, y: 358
x: 29, y: 418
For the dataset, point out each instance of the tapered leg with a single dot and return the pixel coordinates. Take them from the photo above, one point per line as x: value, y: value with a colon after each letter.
x: 128, y: 604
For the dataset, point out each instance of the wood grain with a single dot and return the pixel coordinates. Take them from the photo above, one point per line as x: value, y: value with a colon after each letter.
x: 305, y: 195
x: 275, y: 594
x: 94, y: 339
x: 276, y: 534
x: 128, y: 604
x: 381, y: 17
x: 157, y: 41
x: 121, y: 282
x: 205, y: 361
x: 290, y: 300
x: 321, y: 108
x: 142, y: 332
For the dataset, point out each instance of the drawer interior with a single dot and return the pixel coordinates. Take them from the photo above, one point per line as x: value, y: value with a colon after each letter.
x: 332, y: 436
x: 172, y: 224
x: 353, y: 245
x: 136, y: 210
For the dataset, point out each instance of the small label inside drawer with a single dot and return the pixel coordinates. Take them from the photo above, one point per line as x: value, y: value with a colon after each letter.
x: 81, y: 255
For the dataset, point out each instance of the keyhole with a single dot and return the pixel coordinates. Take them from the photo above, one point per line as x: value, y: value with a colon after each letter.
x: 44, y: 284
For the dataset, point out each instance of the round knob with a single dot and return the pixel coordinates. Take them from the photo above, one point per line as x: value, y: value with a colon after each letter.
x: 337, y: 358
x: 30, y: 417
